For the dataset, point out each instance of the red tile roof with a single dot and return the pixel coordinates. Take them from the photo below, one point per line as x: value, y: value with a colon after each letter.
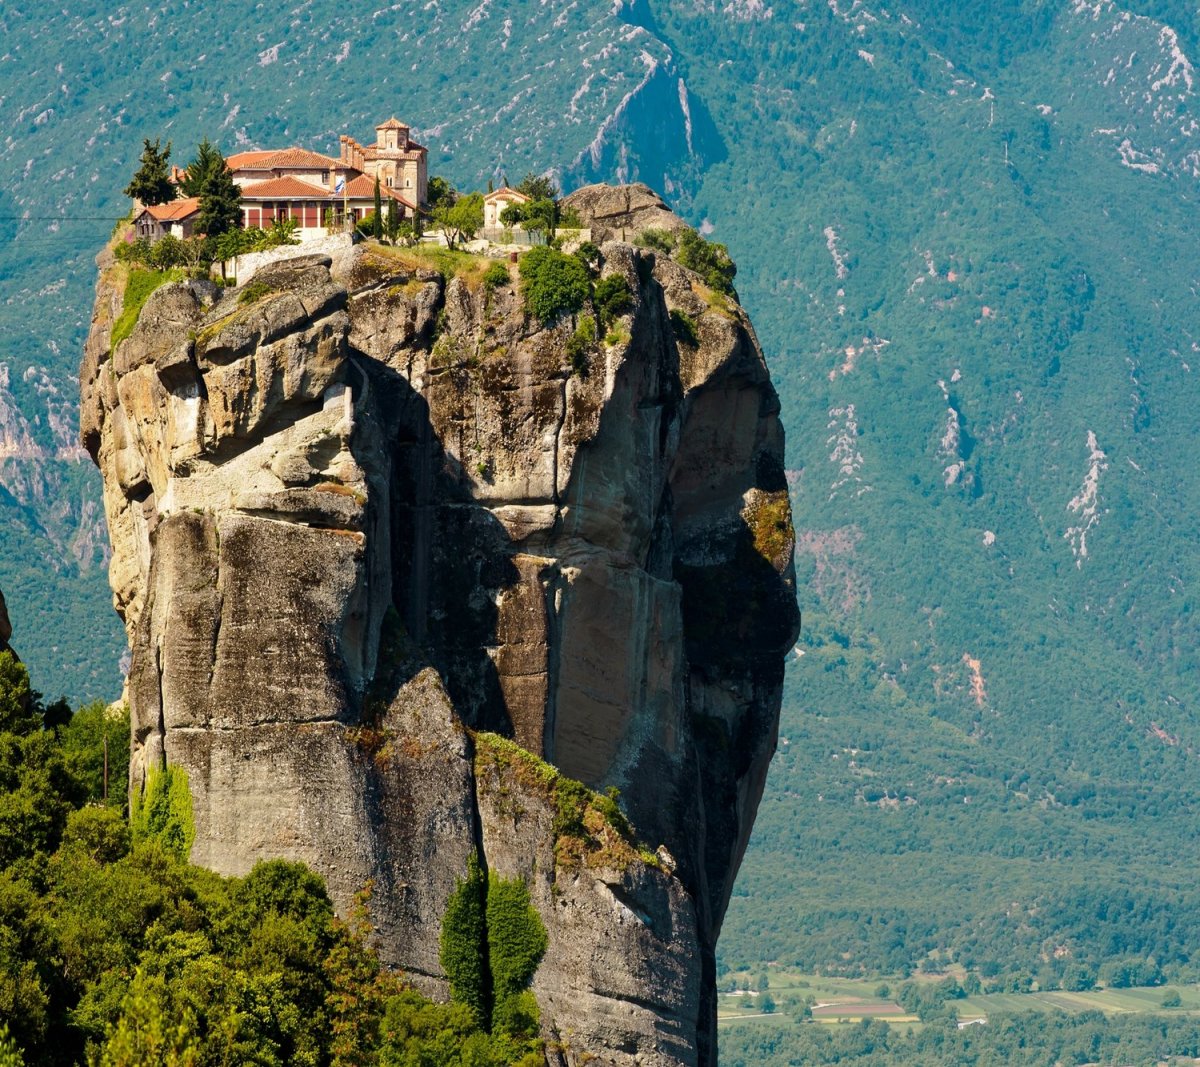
x: 175, y: 210
x: 392, y: 124
x: 359, y: 188
x: 250, y: 160
x: 508, y: 194
x: 363, y: 188
x: 297, y: 157
x: 285, y: 188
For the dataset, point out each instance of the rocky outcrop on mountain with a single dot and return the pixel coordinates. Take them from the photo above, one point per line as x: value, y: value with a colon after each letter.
x: 370, y: 519
x: 618, y: 212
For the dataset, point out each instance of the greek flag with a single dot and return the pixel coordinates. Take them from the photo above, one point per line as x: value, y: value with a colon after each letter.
x: 339, y: 185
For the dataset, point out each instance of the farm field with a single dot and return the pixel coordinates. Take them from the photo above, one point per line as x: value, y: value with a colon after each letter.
x: 847, y: 1001
x: 831, y: 999
x: 1109, y: 1001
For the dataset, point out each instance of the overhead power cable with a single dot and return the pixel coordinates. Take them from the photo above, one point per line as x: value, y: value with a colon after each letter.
x: 62, y: 218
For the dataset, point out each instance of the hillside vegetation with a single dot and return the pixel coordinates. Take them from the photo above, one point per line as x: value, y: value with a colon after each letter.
x: 115, y: 951
x: 981, y: 311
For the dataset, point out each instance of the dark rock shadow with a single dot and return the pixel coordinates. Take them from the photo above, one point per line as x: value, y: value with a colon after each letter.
x: 450, y: 557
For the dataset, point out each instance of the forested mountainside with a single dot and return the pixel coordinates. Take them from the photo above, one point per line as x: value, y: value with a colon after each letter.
x: 965, y: 235
x: 980, y: 296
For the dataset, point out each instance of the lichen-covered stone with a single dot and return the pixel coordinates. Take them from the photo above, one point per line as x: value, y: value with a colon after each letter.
x: 361, y: 510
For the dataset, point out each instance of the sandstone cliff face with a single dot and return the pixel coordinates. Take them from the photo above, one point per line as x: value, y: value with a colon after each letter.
x: 363, y: 510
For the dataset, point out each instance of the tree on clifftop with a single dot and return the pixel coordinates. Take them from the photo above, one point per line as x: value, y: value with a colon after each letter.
x: 537, y: 216
x: 220, y: 196
x: 152, y: 183
x: 538, y: 187
x: 460, y: 220
x: 439, y: 192
x: 392, y: 225
x: 207, y: 163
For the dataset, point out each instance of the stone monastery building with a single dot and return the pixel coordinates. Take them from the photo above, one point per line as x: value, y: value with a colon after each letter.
x: 313, y: 189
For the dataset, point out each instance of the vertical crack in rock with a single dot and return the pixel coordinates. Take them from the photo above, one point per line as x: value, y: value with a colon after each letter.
x: 370, y: 524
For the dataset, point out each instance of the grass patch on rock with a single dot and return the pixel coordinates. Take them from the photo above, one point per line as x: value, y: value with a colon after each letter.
x: 769, y: 518
x: 684, y: 328
x: 138, y: 287
x: 254, y: 291
x: 449, y: 263
x: 590, y: 829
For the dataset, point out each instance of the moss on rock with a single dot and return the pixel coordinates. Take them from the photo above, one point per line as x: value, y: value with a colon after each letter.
x: 138, y: 287
x: 769, y: 517
x: 589, y: 828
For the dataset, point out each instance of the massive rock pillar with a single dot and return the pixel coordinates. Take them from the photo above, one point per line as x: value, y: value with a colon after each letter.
x: 370, y: 518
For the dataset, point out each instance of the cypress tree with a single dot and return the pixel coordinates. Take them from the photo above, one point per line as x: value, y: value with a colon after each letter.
x: 515, y: 935
x: 152, y: 183
x: 464, y: 953
x: 208, y: 162
x: 377, y: 221
x: 220, y: 198
x: 393, y: 220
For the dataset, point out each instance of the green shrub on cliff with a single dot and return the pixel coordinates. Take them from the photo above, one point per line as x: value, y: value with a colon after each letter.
x: 492, y: 941
x: 163, y: 811
x: 578, y: 345
x: 553, y: 284
x: 516, y: 938
x: 613, y: 297
x: 463, y: 947
x: 495, y: 276
x: 140, y: 285
x: 708, y: 259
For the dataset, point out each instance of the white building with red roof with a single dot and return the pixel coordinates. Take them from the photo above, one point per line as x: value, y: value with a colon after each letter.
x: 300, y: 163
x: 176, y: 217
x: 318, y: 190
x: 496, y: 201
